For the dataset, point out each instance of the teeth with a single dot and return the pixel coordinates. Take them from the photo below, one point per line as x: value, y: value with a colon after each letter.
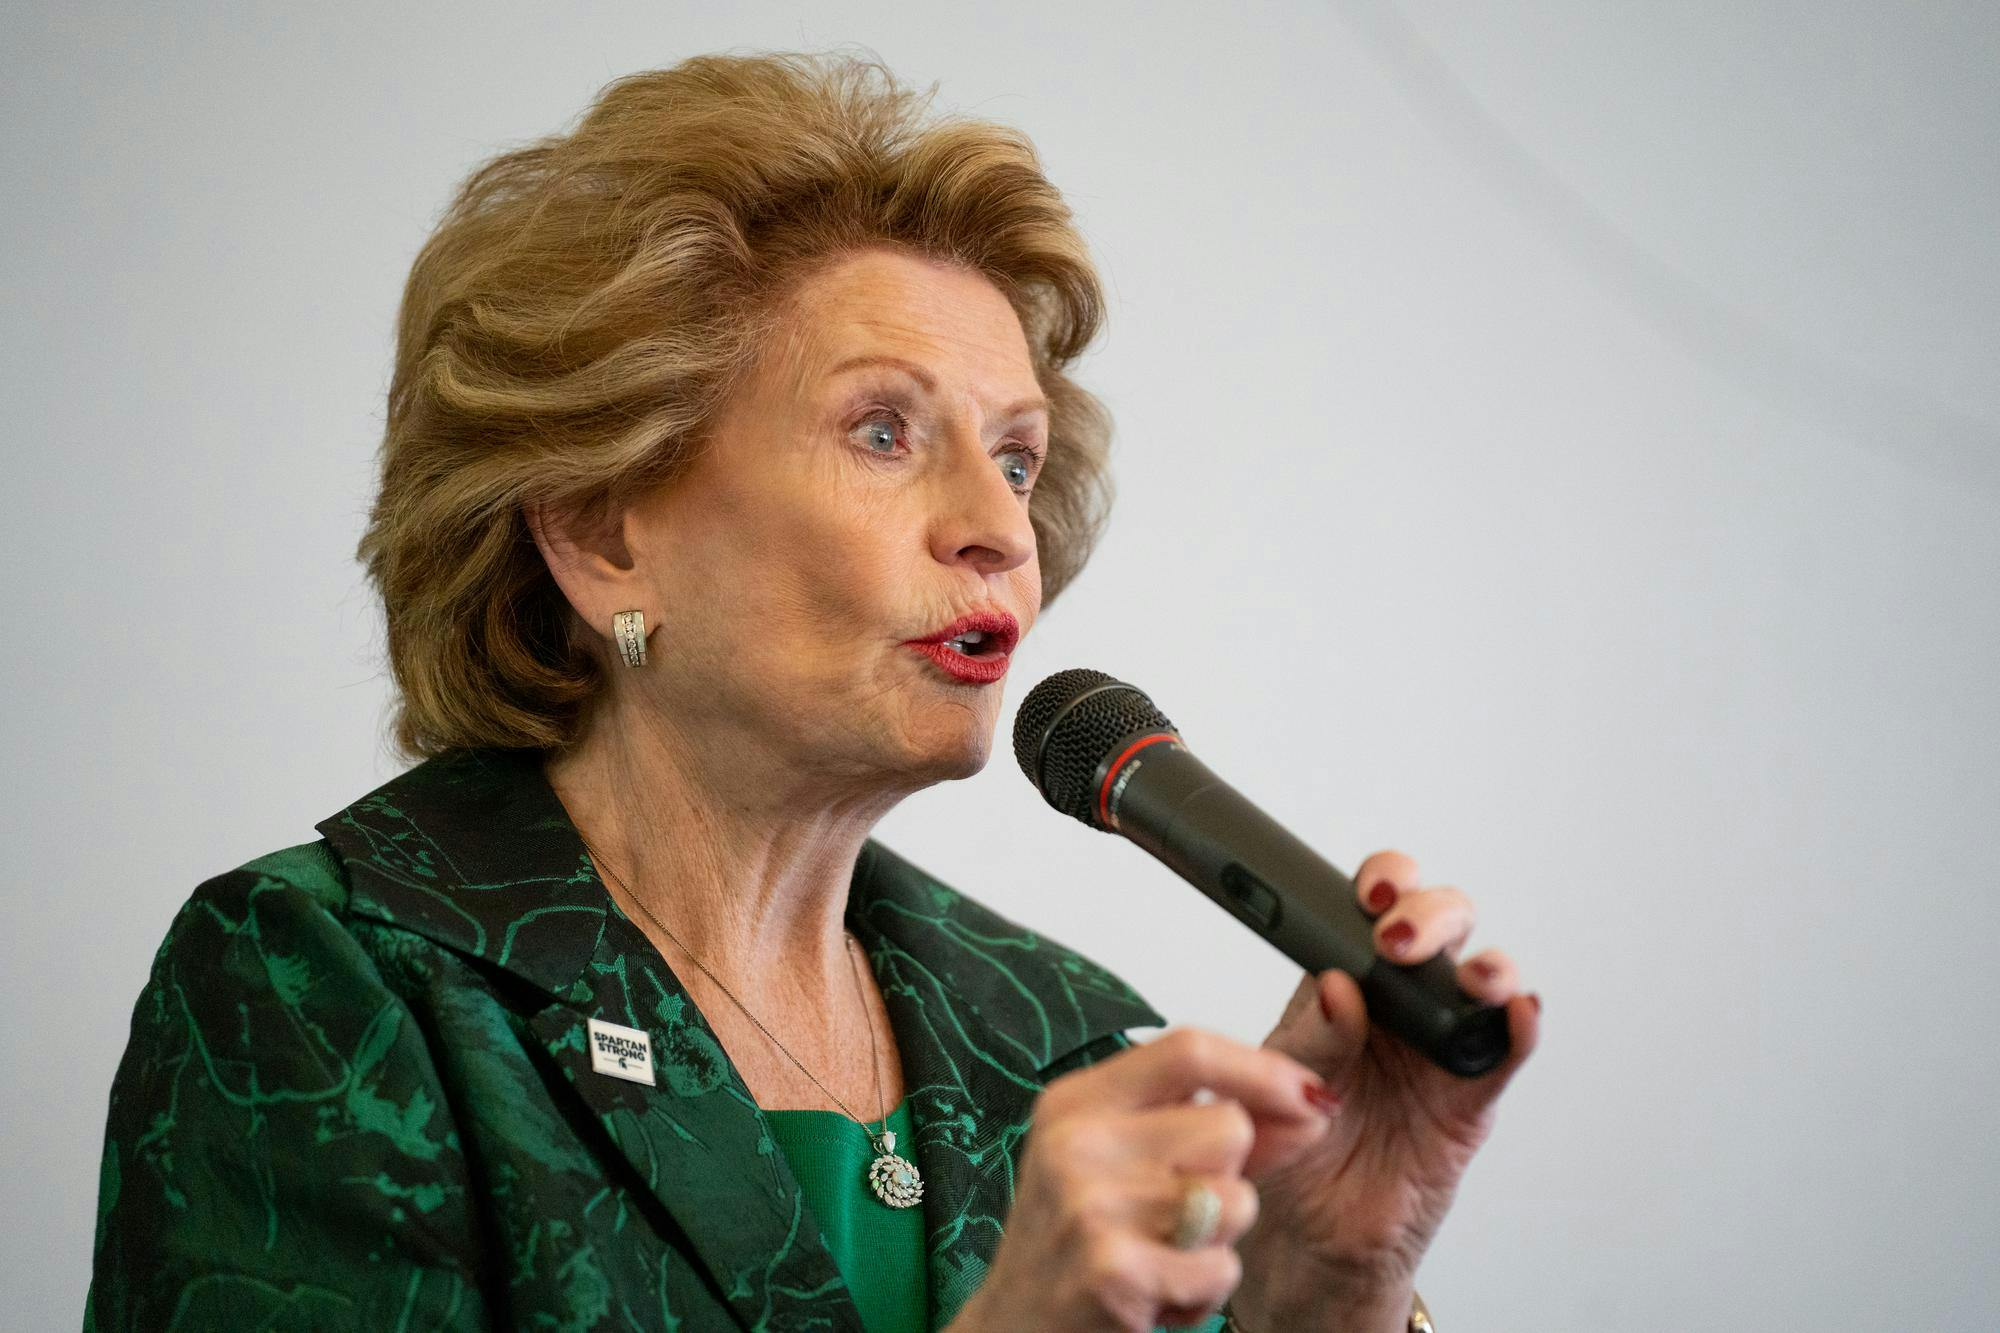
x: 967, y: 643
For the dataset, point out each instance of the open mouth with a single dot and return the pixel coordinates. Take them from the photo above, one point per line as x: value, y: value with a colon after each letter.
x: 975, y: 643
x: 974, y: 648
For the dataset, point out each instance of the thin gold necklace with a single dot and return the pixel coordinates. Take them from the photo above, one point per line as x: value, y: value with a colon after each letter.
x: 894, y: 1179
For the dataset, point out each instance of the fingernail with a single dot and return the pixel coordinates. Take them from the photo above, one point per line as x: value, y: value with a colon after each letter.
x: 1382, y: 897
x: 1482, y: 969
x: 1322, y: 1098
x: 1325, y: 1005
x: 1535, y: 1000
x: 1397, y: 938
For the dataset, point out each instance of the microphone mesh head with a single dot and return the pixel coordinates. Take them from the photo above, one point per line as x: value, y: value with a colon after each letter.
x: 1066, y: 727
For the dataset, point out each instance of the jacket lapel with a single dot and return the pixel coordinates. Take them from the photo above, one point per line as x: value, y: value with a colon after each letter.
x: 982, y: 1009
x: 473, y: 850
x: 699, y: 1142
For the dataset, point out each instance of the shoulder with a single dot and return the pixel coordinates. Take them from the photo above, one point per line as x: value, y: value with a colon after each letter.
x: 301, y: 886
x: 244, y: 935
x: 272, y: 1085
x: 265, y: 1011
x: 261, y: 977
x: 310, y: 867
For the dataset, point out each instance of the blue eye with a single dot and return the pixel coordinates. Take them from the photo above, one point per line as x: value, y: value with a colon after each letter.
x: 1021, y: 464
x: 883, y: 429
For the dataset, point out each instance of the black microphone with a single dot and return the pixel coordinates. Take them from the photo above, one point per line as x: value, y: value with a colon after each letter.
x: 1101, y: 751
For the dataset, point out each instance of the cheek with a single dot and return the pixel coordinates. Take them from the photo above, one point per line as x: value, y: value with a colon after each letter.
x: 830, y: 581
x: 1026, y: 586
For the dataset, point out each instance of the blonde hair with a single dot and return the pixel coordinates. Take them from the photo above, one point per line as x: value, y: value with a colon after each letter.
x: 587, y: 302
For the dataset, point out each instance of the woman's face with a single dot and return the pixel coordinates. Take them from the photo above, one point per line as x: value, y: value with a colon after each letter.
x: 868, y: 487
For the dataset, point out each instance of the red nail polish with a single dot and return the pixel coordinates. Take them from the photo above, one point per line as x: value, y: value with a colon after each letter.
x: 1324, y: 1006
x: 1483, y: 970
x: 1382, y: 897
x: 1396, y: 939
x: 1322, y: 1098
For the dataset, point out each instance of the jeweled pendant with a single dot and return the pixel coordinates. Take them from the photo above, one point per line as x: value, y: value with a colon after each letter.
x: 894, y: 1179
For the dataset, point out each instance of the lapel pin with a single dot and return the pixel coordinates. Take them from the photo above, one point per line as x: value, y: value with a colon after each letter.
x: 621, y: 1052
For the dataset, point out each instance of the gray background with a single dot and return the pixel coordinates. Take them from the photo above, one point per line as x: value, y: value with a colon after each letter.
x: 1557, y: 439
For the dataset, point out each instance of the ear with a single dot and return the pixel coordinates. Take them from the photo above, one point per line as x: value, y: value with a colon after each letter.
x: 590, y: 559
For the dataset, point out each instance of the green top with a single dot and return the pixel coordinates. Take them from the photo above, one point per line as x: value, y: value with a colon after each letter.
x: 879, y: 1249
x: 362, y: 1090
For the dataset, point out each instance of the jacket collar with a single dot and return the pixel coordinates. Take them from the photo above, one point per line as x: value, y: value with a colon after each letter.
x: 473, y: 850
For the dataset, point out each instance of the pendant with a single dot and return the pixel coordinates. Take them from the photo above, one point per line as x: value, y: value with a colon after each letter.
x: 894, y: 1179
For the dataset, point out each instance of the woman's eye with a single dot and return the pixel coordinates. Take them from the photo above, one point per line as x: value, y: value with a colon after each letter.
x: 1019, y: 469
x: 881, y: 431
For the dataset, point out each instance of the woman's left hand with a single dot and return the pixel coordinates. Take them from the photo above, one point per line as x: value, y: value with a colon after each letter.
x: 1341, y: 1227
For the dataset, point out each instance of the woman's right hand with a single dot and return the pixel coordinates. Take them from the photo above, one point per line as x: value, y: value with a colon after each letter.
x: 1109, y: 1155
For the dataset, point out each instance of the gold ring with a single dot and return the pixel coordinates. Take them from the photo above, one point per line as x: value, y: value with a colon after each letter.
x: 1200, y: 1216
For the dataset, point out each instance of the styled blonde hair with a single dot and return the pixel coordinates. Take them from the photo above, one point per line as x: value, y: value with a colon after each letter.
x: 587, y: 303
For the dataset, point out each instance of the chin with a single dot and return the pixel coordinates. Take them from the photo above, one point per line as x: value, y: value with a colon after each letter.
x: 963, y: 761
x: 948, y: 753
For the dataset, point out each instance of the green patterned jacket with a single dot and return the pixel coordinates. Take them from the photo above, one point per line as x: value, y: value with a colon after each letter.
x: 357, y: 1092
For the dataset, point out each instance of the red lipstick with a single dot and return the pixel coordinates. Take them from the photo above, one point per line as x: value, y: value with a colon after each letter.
x: 974, y: 648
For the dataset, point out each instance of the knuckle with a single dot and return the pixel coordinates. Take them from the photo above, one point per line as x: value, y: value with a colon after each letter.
x: 1110, y: 1264
x: 1246, y: 1205
x: 1089, y: 1207
x: 1057, y: 1149
x: 1205, y: 1279
x: 1052, y: 1134
x: 1068, y: 1139
x: 1195, y: 1048
x: 1234, y: 1126
x: 1054, y: 1099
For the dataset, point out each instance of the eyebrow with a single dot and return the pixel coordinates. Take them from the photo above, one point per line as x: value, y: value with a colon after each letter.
x: 929, y: 381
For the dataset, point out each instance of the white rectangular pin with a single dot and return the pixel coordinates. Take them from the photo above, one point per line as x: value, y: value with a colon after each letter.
x: 621, y: 1052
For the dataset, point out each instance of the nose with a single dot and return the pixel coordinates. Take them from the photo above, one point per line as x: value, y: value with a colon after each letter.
x: 980, y: 521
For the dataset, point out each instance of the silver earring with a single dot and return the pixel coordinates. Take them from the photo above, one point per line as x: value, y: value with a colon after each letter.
x: 629, y: 628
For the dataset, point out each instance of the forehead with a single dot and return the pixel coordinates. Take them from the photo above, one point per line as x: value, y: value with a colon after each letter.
x: 881, y: 303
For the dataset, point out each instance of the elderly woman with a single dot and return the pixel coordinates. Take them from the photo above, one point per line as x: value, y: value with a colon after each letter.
x: 729, y: 455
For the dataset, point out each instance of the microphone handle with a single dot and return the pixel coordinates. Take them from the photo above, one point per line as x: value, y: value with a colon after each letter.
x: 1164, y: 799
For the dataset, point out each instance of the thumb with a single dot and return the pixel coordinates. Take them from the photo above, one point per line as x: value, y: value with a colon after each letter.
x: 1324, y: 1026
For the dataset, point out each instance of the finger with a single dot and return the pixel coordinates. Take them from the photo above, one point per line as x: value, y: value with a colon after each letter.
x: 1196, y: 1137
x: 1157, y: 1214
x: 1337, y: 1041
x: 1171, y: 1067
x: 1423, y: 922
x: 1307, y: 1031
x: 1524, y: 1030
x: 1220, y: 1137
x: 1382, y: 878
x: 1183, y: 1281
x: 1489, y: 976
x: 1175, y: 1316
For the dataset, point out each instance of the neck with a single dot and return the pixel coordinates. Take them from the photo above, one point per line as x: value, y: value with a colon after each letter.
x: 744, y: 856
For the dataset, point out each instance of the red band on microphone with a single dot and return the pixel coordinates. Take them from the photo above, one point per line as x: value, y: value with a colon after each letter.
x: 1118, y: 766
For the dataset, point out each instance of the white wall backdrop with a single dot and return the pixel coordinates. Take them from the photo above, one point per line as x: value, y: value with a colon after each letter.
x: 1560, y: 440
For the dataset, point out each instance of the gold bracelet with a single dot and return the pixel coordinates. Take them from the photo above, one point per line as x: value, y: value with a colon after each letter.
x: 1420, y: 1317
